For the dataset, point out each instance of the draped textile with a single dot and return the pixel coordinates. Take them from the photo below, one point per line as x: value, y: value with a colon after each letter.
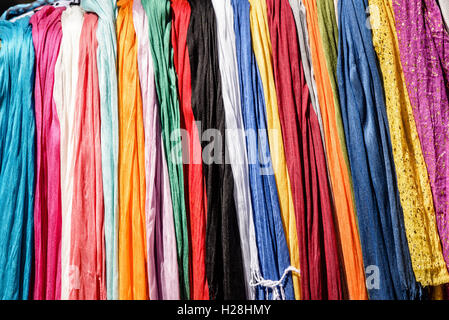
x: 87, y: 271
x: 107, y: 77
x: 195, y: 188
x: 444, y: 7
x: 424, y: 52
x: 133, y: 282
x: 235, y: 139
x: 47, y: 34
x: 159, y: 19
x: 270, y: 236
x: 299, y: 14
x: 17, y: 159
x: 337, y: 165
x: 65, y: 95
x: 320, y: 268
x: 379, y: 210
x: 262, y: 50
x: 411, y: 172
x: 346, y: 217
x: 162, y: 263
x: 224, y: 265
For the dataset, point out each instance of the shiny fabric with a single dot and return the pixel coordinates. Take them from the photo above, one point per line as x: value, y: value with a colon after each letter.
x: 107, y: 77
x: 195, y: 188
x: 224, y: 265
x: 133, y: 283
x: 379, y: 211
x: 47, y: 34
x: 272, y: 247
x: 424, y: 51
x: 235, y: 140
x: 162, y: 263
x: 320, y: 268
x: 87, y: 270
x: 345, y: 212
x: 17, y: 159
x: 411, y: 172
x: 262, y: 50
x: 65, y: 96
x: 159, y: 19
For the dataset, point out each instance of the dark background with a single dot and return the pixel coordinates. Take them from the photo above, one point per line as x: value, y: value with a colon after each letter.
x: 5, y: 4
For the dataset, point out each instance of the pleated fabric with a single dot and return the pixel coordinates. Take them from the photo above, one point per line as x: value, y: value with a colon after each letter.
x: 320, y: 268
x: 158, y: 12
x: 299, y: 14
x: 411, y: 172
x: 133, y: 282
x: 444, y: 7
x: 65, y: 94
x: 162, y: 263
x: 87, y: 273
x: 273, y: 253
x: 325, y: 41
x: 424, y: 52
x: 17, y: 159
x: 262, y: 50
x: 224, y: 265
x: 379, y: 210
x: 107, y: 77
x: 194, y: 183
x: 235, y: 140
x: 47, y: 34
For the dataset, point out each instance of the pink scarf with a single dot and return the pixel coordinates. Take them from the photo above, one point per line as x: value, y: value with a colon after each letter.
x: 47, y: 35
x: 87, y: 255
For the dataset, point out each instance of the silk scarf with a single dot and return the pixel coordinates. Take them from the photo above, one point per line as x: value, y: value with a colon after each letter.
x: 162, y: 263
x: 272, y: 247
x: 195, y: 188
x: 47, y: 34
x: 65, y: 95
x: 133, y: 282
x: 379, y: 210
x: 224, y: 265
x: 159, y: 19
x: 107, y: 77
x: 262, y: 50
x: 17, y: 154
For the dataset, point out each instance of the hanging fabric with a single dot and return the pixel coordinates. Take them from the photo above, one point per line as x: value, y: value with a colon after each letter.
x: 272, y: 247
x: 17, y: 154
x: 224, y: 265
x: 195, y: 188
x: 162, y: 263
x: 262, y: 50
x: 413, y: 182
x: 426, y: 80
x: 379, y: 210
x: 107, y: 77
x: 235, y: 140
x: 159, y: 19
x: 133, y: 282
x: 444, y: 7
x: 299, y: 14
x: 47, y: 35
x: 324, y: 42
x: 87, y: 249
x: 65, y: 95
x: 320, y: 268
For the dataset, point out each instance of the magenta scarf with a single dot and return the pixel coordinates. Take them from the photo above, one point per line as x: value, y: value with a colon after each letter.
x: 47, y: 34
x: 424, y: 50
x: 87, y: 271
